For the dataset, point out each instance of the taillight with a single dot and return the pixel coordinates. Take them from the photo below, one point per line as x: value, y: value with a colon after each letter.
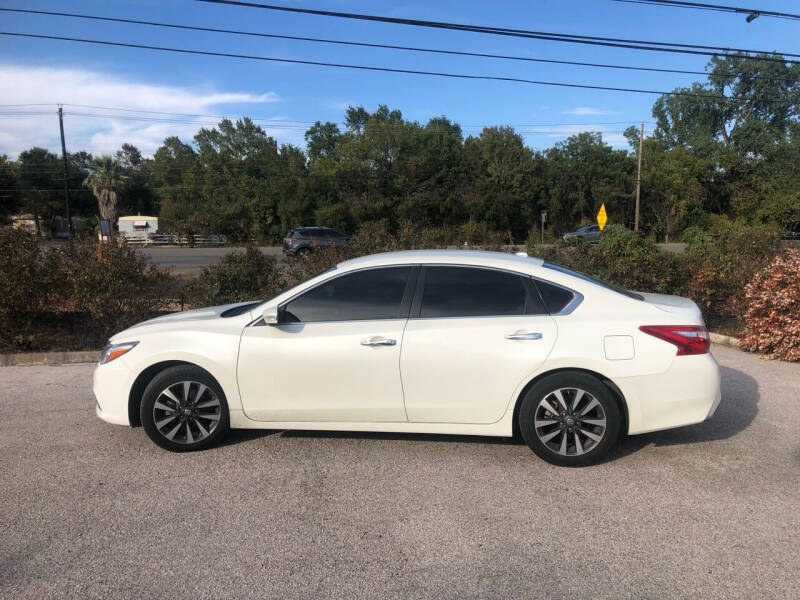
x: 291, y: 239
x: 690, y: 339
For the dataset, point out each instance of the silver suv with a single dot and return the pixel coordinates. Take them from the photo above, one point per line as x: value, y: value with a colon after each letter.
x: 590, y: 233
x: 303, y: 240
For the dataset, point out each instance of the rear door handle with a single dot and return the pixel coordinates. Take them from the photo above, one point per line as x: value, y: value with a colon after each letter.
x: 377, y: 340
x: 524, y: 335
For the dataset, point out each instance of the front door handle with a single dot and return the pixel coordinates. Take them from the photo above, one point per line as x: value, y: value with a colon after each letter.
x: 377, y: 340
x: 524, y: 335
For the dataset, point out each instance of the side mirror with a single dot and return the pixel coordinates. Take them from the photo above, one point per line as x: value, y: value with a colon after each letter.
x: 270, y: 316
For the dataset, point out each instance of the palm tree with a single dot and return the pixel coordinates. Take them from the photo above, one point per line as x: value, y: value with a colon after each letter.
x: 106, y: 180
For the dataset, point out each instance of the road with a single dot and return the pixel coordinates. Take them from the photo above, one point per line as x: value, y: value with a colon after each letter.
x: 190, y: 261
x: 95, y: 510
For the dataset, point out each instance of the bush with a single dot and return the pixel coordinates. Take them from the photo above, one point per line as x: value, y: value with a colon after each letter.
x: 31, y: 286
x: 73, y: 296
x: 622, y: 257
x: 113, y: 284
x: 772, y: 314
x: 248, y: 275
x: 717, y: 269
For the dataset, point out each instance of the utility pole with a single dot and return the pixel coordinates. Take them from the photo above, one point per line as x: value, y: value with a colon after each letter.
x: 70, y: 232
x: 638, y: 180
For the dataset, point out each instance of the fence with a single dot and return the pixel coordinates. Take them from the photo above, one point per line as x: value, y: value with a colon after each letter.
x: 168, y: 239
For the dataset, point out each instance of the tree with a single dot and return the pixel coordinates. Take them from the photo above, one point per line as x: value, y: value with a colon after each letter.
x: 41, y: 186
x: 137, y: 195
x: 106, y: 179
x: 583, y: 173
x: 9, y: 196
x: 501, y: 170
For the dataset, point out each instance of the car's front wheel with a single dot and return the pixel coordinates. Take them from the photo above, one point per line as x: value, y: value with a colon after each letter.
x: 183, y: 408
x: 570, y: 419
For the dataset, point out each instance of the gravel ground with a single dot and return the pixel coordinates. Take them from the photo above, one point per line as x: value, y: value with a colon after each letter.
x: 94, y: 510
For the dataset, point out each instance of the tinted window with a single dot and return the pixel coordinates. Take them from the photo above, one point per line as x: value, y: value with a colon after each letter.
x: 470, y: 292
x: 555, y: 298
x: 608, y: 286
x: 364, y: 295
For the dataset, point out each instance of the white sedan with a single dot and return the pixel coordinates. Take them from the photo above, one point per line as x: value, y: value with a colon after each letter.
x: 431, y: 341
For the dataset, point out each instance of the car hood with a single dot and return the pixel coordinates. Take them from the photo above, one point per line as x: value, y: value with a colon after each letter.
x: 186, y: 317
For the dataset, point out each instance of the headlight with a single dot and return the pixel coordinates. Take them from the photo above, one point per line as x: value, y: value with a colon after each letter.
x: 112, y: 351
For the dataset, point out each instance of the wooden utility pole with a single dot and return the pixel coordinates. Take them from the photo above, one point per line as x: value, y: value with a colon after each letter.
x: 638, y: 180
x: 70, y: 232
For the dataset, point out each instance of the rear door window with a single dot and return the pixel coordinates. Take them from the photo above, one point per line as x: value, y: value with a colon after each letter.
x: 474, y: 292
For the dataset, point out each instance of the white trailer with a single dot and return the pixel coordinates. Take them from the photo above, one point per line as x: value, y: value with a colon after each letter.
x: 137, y: 226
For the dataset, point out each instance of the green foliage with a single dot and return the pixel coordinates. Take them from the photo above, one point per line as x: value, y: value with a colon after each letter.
x: 772, y: 315
x: 241, y: 276
x: 719, y: 267
x: 622, y: 258
x: 73, y: 296
x: 727, y: 150
x: 713, y: 270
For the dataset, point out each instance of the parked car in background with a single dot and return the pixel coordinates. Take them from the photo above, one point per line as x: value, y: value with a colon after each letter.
x: 303, y: 240
x: 425, y: 341
x: 590, y: 233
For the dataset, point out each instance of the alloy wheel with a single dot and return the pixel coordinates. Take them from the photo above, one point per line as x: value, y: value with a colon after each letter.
x: 570, y: 421
x: 186, y: 412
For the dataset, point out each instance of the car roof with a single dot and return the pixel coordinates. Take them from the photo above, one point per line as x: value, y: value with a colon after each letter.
x: 460, y: 257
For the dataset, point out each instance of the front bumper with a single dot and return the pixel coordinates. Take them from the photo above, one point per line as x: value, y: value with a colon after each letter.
x: 111, y: 385
x: 688, y: 392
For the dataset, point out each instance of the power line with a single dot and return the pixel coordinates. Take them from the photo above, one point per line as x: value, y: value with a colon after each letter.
x: 297, y: 127
x: 716, y: 7
x: 523, y: 33
x: 371, y: 68
x: 368, y: 44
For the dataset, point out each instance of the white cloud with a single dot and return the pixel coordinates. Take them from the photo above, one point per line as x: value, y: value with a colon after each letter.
x: 33, y: 85
x: 588, y: 110
x: 340, y: 105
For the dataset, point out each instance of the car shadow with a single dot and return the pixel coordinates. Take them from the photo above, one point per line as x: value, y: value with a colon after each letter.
x: 418, y: 437
x: 738, y: 408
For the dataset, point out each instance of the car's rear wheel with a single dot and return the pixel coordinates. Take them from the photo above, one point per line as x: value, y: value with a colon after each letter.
x: 183, y: 408
x: 570, y: 419
x: 302, y: 252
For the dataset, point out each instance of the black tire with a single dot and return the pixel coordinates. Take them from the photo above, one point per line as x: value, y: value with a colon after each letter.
x: 302, y: 252
x: 569, y: 443
x: 213, y: 419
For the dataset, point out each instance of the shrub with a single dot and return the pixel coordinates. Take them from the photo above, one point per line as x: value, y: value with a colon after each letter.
x: 31, y: 286
x: 113, y: 284
x: 248, y: 275
x: 75, y: 295
x: 772, y: 314
x: 717, y: 269
x: 622, y: 257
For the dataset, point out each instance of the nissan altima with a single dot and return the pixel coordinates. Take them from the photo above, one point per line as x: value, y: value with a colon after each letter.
x: 429, y: 341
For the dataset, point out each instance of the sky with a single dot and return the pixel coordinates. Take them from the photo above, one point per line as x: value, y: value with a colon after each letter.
x: 287, y: 98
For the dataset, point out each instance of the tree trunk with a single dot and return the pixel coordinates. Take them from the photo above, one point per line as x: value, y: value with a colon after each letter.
x: 107, y: 204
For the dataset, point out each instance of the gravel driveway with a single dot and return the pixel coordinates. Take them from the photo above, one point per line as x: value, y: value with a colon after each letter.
x: 94, y: 510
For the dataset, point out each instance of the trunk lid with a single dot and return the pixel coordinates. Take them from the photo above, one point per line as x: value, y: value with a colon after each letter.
x: 677, y: 305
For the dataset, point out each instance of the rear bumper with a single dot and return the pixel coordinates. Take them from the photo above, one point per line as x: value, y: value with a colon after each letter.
x: 688, y: 392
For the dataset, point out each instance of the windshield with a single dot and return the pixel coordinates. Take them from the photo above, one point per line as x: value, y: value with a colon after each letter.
x: 608, y: 286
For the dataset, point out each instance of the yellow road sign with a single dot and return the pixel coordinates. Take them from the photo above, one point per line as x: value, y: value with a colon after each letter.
x: 602, y: 217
